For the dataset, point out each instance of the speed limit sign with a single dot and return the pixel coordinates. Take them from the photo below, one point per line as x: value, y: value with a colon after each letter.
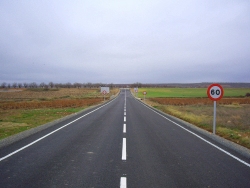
x: 215, y: 92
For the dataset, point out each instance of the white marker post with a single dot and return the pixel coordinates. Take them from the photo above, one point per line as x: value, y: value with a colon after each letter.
x: 215, y: 92
x: 136, y: 91
x: 144, y: 93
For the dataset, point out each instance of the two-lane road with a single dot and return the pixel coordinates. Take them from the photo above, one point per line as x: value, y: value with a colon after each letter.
x: 120, y: 144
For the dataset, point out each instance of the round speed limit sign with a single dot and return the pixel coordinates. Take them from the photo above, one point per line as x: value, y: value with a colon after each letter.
x: 215, y: 92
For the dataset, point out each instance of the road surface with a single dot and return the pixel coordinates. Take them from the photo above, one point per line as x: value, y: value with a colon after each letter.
x: 121, y: 144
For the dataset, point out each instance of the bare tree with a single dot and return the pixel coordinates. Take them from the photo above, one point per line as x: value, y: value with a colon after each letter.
x: 51, y: 84
x: 58, y: 85
x: 20, y: 85
x: 14, y: 85
x: 68, y: 85
x: 25, y: 85
x: 84, y: 85
x: 3, y: 85
x: 89, y: 85
x: 42, y: 85
x: 77, y: 85
x: 33, y: 85
x: 111, y: 85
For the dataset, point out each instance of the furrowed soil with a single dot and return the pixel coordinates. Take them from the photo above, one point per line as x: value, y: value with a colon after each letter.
x: 22, y: 109
x: 232, y: 120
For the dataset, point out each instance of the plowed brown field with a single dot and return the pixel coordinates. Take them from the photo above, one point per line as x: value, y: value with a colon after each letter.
x: 60, y: 103
x: 192, y: 101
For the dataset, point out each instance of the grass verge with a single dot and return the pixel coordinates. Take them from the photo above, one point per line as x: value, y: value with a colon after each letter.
x: 232, y: 122
x: 15, y: 121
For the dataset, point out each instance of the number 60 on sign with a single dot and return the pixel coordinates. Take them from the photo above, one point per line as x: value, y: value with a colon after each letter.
x: 215, y: 92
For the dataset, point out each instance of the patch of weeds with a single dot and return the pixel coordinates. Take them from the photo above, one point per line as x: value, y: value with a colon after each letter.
x: 64, y: 97
x: 21, y: 120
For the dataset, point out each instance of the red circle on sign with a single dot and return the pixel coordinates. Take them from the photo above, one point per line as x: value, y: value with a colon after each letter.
x: 215, y: 92
x: 144, y: 93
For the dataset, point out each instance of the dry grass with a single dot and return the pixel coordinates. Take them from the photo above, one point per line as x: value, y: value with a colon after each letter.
x: 233, y: 120
x: 22, y: 109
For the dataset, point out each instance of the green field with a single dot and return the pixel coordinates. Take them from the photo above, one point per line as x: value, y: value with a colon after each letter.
x: 189, y: 92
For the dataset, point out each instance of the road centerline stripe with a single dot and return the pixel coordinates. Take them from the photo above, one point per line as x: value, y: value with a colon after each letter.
x: 124, y: 154
x: 124, y: 128
x: 123, y: 182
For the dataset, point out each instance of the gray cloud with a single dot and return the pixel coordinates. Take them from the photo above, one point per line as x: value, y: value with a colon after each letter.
x: 125, y: 42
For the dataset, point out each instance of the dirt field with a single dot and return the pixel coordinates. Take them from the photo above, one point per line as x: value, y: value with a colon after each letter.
x: 43, y: 94
x: 22, y: 109
x: 204, y: 101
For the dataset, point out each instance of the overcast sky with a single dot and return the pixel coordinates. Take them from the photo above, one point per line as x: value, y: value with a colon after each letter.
x: 111, y: 41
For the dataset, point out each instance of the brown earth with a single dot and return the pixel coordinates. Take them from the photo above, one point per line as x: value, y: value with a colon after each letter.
x: 204, y: 101
x: 60, y: 103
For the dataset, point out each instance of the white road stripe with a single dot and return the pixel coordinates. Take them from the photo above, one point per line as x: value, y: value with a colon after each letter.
x: 217, y: 147
x: 124, y: 113
x: 124, y: 154
x: 124, y: 118
x: 124, y: 128
x: 123, y: 182
x: 28, y: 145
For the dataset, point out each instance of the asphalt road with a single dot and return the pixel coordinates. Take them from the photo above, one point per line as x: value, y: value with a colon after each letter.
x: 121, y: 144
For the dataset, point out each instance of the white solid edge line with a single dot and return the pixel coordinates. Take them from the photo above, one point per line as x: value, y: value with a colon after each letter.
x: 123, y: 182
x: 124, y: 154
x: 217, y: 147
x: 124, y: 128
x: 30, y: 144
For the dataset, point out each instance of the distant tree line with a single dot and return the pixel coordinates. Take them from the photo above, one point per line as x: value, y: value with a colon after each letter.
x: 55, y: 85
x: 111, y: 85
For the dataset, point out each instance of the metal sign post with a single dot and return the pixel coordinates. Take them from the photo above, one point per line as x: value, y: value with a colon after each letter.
x: 104, y: 93
x: 214, y: 122
x: 215, y: 92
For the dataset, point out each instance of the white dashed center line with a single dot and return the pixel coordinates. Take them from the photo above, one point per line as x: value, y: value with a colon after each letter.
x: 124, y: 154
x: 123, y: 182
x: 124, y: 128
